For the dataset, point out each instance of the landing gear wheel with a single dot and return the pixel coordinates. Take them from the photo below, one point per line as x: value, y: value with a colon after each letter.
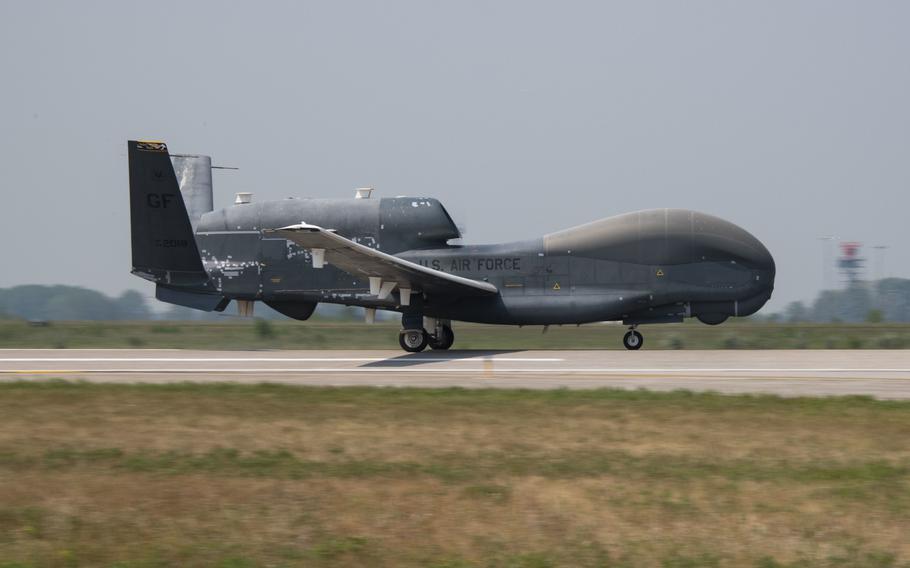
x: 633, y: 340
x: 444, y: 339
x: 413, y: 340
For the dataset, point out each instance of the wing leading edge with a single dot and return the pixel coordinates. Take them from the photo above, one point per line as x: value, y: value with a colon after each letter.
x: 384, y: 271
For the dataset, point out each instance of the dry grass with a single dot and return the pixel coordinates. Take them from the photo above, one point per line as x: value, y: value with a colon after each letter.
x: 102, y: 475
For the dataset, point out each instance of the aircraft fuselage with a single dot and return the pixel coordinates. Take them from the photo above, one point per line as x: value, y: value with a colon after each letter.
x: 652, y: 266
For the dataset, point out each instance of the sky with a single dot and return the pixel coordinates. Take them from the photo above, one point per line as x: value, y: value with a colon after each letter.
x: 790, y: 119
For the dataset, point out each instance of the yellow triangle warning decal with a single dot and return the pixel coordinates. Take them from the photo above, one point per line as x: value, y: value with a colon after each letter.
x: 556, y: 286
x: 660, y: 272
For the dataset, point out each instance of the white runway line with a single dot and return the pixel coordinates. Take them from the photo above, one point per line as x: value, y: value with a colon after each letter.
x: 415, y: 369
x: 275, y: 359
x: 58, y: 350
x: 884, y: 374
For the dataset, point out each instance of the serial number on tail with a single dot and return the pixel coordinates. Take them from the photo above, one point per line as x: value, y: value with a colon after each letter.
x: 171, y: 243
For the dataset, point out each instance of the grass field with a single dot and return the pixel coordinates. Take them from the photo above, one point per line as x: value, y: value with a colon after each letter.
x: 260, y: 334
x: 237, y: 476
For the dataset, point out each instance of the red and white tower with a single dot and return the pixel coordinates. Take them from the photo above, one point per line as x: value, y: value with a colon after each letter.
x: 851, y: 263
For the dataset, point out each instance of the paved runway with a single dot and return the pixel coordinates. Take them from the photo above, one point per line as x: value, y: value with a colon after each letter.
x: 883, y: 374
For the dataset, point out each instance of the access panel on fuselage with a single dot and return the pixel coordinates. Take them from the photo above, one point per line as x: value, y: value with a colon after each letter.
x: 231, y: 259
x: 275, y: 266
x: 558, y: 281
x: 287, y: 269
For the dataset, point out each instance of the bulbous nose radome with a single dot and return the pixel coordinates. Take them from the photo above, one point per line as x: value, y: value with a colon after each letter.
x: 767, y: 270
x: 756, y: 256
x: 717, y: 239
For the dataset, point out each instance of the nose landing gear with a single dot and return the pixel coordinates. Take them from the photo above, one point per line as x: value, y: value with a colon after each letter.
x: 633, y: 340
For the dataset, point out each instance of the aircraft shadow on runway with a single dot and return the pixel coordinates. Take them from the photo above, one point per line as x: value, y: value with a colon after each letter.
x: 411, y: 359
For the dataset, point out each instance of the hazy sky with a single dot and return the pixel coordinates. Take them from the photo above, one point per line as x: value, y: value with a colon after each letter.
x: 791, y: 119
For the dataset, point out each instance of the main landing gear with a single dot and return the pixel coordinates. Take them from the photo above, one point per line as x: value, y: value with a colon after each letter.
x: 414, y: 339
x: 443, y: 339
x: 633, y: 340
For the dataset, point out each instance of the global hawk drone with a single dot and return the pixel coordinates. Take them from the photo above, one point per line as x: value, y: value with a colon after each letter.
x: 646, y: 267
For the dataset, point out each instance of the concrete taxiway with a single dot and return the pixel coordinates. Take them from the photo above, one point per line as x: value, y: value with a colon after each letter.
x: 882, y: 374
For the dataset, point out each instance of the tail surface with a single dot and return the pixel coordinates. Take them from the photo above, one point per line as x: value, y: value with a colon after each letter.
x: 194, y: 176
x: 164, y: 248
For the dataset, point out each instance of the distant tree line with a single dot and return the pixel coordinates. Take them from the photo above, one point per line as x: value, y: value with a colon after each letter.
x: 35, y: 302
x: 883, y: 300
x: 50, y: 303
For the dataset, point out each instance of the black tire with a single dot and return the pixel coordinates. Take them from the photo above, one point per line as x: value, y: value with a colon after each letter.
x: 633, y: 340
x: 444, y: 341
x: 413, y: 340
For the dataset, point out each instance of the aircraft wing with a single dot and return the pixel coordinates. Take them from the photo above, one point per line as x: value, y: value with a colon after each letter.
x: 384, y: 271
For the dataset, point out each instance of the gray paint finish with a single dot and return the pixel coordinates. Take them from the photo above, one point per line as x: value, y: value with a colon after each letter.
x: 644, y: 267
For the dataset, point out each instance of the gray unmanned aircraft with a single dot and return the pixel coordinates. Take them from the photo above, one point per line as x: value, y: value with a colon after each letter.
x: 654, y: 266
